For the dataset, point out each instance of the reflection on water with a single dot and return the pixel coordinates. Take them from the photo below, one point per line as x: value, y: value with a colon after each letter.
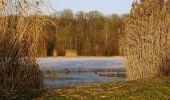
x: 80, y: 71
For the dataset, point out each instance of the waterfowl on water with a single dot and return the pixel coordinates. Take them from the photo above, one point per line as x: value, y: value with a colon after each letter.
x: 66, y: 71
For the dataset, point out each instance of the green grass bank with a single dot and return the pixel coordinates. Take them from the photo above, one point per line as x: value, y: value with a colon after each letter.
x: 153, y: 89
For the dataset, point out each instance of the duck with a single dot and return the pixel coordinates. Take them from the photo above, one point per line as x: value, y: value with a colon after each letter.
x: 66, y: 71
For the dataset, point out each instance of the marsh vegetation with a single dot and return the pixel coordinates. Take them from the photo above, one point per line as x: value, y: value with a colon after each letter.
x: 142, y: 37
x: 147, y: 39
x: 20, y: 29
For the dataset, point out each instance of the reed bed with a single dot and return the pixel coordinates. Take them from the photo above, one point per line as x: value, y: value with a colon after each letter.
x: 21, y: 25
x: 146, y: 38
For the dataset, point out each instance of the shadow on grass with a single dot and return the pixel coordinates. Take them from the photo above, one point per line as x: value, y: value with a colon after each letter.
x: 21, y: 95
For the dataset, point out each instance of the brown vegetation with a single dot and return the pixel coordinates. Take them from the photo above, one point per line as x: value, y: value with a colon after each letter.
x: 54, y: 52
x: 90, y: 34
x: 71, y: 53
x: 146, y: 39
x: 20, y: 30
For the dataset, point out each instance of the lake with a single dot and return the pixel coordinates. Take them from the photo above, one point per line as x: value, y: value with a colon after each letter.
x: 82, y: 71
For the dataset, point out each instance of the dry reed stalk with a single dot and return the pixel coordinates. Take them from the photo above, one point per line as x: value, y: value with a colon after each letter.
x: 146, y: 39
x: 70, y: 53
x: 20, y: 29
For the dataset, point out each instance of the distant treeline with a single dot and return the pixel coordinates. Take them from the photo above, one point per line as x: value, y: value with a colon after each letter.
x: 90, y: 34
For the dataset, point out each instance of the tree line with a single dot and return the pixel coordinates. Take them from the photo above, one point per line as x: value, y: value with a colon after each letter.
x: 90, y: 34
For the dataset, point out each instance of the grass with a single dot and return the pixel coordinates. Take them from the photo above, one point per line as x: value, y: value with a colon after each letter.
x: 154, y: 89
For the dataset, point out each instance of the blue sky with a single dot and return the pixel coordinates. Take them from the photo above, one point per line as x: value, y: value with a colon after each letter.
x: 107, y: 7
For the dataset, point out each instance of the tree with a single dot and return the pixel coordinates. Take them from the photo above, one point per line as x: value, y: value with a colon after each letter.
x: 90, y: 34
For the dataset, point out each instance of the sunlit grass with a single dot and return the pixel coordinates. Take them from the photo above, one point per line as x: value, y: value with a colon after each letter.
x: 154, y: 89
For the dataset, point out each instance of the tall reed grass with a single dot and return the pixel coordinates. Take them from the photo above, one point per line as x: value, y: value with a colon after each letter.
x: 20, y: 29
x: 146, y: 38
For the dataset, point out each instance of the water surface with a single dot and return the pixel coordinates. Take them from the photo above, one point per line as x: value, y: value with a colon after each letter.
x: 80, y: 71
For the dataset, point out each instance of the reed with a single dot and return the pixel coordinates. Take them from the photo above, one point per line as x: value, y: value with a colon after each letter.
x: 71, y: 53
x: 146, y: 38
x: 20, y: 29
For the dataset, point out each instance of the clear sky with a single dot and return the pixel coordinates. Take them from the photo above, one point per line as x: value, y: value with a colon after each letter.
x: 107, y: 7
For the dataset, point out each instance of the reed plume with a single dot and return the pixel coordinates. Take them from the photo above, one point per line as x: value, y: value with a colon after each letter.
x: 146, y: 38
x: 21, y: 25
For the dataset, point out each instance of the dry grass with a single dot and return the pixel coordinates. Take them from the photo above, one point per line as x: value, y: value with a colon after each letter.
x: 147, y: 44
x: 71, y: 53
x: 20, y: 29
